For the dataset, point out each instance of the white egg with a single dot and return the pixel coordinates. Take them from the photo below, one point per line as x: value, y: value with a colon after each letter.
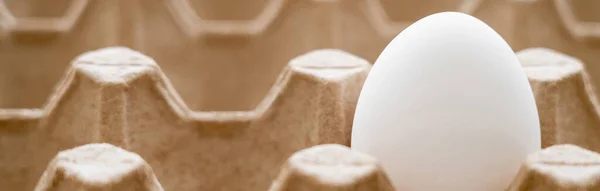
x: 447, y: 106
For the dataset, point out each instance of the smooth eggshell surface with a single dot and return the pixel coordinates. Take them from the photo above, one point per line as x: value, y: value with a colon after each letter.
x: 447, y: 106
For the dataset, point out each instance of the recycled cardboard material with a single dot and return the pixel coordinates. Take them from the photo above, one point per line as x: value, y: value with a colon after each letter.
x: 569, y: 26
x: 322, y: 167
x: 119, y: 96
x: 566, y: 26
x: 566, y: 98
x: 235, y: 52
x: 331, y: 167
x: 227, y: 107
x: 41, y: 38
x: 560, y: 167
x: 95, y: 167
x: 229, y: 46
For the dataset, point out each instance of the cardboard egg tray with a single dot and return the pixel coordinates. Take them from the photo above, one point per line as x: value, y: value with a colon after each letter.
x: 254, y: 94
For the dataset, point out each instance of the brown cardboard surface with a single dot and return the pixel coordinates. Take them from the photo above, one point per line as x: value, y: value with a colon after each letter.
x: 34, y: 52
x: 119, y: 96
x: 238, y: 49
x: 331, y: 167
x: 239, y: 87
x: 565, y: 96
x: 560, y: 167
x: 98, y: 167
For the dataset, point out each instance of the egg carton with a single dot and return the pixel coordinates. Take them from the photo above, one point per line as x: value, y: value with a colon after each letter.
x: 121, y: 97
x: 217, y: 45
x: 322, y: 167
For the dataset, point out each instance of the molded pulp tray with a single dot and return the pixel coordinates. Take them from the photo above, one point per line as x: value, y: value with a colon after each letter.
x: 253, y: 95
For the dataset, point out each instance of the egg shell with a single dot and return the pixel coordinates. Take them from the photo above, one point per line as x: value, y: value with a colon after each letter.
x: 447, y: 106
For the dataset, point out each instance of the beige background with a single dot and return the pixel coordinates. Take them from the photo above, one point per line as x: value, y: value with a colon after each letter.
x: 225, y: 54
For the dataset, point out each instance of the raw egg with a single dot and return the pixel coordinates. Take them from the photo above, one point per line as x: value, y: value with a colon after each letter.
x: 447, y: 106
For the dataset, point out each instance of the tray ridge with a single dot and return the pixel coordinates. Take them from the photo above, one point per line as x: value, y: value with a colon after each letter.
x: 119, y: 96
